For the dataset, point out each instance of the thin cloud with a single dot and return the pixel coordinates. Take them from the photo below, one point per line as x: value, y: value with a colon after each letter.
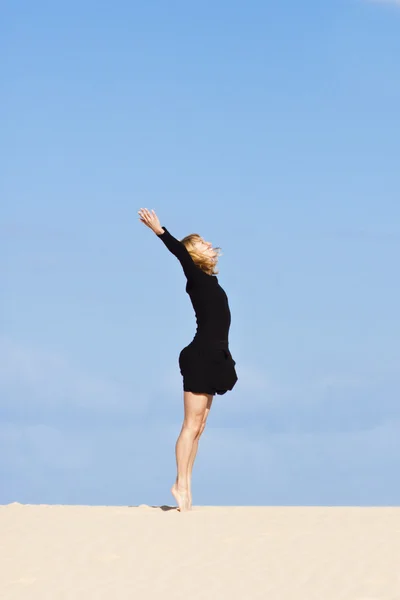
x: 42, y: 446
x: 23, y: 231
x: 395, y: 2
x: 334, y: 468
x: 31, y: 379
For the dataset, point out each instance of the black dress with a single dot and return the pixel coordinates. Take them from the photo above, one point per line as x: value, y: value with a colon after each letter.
x: 206, y: 364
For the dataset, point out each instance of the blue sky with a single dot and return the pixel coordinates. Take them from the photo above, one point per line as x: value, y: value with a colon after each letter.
x: 269, y: 128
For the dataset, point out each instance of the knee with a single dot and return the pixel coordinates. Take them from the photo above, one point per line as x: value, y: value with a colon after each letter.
x: 194, y: 427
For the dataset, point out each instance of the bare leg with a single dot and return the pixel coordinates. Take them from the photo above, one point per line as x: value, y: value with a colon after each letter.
x: 194, y: 406
x: 190, y: 468
x: 195, y: 449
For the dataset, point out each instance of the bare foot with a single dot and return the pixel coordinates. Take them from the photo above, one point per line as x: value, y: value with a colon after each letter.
x: 181, y: 497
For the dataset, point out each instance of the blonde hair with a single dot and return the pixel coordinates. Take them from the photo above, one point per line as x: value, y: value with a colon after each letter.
x: 206, y: 264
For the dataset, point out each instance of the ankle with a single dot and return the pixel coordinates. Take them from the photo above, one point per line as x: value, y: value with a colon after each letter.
x: 182, y: 486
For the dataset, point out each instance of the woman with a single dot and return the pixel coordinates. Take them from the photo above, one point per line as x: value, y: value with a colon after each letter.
x: 206, y: 364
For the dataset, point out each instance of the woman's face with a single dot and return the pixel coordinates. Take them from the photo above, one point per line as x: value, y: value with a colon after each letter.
x: 205, y: 248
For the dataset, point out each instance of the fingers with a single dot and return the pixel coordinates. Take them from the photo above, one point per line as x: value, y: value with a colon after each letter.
x: 148, y: 217
x: 144, y: 214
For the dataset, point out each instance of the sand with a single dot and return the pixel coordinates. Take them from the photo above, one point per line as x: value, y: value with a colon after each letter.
x: 213, y: 553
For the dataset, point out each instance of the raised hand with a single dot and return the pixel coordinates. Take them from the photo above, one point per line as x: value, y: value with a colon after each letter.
x: 150, y: 219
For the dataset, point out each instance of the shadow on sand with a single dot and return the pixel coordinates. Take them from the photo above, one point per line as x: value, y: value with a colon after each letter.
x: 164, y: 507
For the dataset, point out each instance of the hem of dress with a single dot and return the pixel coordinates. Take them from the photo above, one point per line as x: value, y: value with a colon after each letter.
x: 208, y: 392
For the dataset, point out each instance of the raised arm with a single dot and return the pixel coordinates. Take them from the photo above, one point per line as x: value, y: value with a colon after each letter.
x: 178, y: 250
x: 174, y: 246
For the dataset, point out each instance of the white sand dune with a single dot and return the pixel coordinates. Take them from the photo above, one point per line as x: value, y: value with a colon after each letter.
x: 213, y: 553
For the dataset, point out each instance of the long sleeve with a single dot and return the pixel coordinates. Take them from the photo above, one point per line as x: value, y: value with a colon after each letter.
x: 178, y: 249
